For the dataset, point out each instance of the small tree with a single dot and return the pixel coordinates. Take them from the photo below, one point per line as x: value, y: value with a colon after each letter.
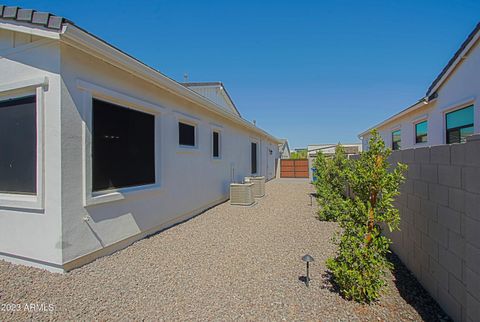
x: 331, y: 183
x: 360, y: 265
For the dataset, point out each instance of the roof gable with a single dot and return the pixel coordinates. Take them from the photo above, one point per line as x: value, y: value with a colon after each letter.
x: 453, y: 62
x: 216, y: 92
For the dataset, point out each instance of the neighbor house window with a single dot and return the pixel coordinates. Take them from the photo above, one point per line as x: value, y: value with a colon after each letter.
x: 254, y: 157
x: 216, y: 144
x: 186, y: 134
x: 396, y: 139
x: 459, y: 125
x: 18, y: 145
x: 421, y: 132
x: 123, y: 147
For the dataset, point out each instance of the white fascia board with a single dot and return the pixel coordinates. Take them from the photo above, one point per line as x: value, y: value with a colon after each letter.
x: 394, y: 117
x: 455, y: 64
x: 26, y: 29
x: 92, y: 45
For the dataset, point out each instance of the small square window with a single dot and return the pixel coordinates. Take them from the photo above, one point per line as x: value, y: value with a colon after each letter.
x: 216, y: 144
x: 186, y: 134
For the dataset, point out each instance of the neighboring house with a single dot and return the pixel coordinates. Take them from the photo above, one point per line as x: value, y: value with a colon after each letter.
x: 329, y: 150
x: 284, y: 149
x: 98, y: 150
x: 448, y: 113
x: 299, y: 153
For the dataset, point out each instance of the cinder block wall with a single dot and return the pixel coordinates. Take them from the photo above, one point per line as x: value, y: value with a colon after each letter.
x: 439, y: 239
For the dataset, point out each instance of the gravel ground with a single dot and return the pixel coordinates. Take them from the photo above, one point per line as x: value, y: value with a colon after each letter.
x: 229, y: 263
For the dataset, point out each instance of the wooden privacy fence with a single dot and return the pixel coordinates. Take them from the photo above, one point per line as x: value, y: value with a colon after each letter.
x: 294, y: 168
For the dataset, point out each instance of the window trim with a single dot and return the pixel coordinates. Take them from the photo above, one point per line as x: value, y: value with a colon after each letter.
x: 257, y: 156
x: 219, y: 130
x: 195, y: 134
x: 458, y: 105
x: 36, y: 87
x: 415, y: 123
x: 391, y: 138
x: 89, y: 92
x: 455, y: 109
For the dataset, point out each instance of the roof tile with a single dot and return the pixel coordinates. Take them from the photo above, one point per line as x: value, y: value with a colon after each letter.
x: 44, y: 19
x: 25, y: 14
x: 10, y: 12
x: 40, y: 18
x: 55, y: 22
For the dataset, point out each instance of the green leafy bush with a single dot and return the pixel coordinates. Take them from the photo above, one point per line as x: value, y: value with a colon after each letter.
x: 359, y: 268
x: 331, y: 184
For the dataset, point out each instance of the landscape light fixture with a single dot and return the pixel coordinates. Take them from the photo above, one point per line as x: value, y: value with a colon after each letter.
x: 307, y: 258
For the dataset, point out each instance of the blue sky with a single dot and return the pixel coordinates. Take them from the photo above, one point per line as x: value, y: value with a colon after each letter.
x: 309, y: 71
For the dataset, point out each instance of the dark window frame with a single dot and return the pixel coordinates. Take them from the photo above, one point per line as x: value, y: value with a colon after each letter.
x: 419, y: 138
x: 396, y: 145
x: 132, y: 165
x: 216, y: 145
x: 254, y: 157
x: 28, y: 148
x: 458, y: 129
x: 185, y: 141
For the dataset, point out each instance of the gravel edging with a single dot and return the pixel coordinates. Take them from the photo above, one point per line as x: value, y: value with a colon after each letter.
x: 229, y: 263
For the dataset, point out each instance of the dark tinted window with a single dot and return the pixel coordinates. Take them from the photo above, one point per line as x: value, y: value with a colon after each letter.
x: 123, y: 147
x: 216, y: 152
x: 18, y: 142
x: 421, y: 132
x: 396, y: 139
x: 459, y: 124
x: 186, y: 134
x: 254, y: 157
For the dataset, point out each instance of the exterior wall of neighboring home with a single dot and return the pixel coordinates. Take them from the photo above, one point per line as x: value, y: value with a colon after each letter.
x: 461, y: 89
x: 72, y: 225
x: 30, y: 225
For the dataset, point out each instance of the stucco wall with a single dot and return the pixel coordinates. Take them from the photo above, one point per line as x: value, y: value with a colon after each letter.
x: 439, y: 240
x: 190, y: 179
x: 33, y: 232
x: 461, y: 89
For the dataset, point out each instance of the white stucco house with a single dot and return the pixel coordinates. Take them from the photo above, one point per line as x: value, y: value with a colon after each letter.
x: 448, y: 112
x: 284, y: 149
x: 328, y: 149
x: 98, y: 150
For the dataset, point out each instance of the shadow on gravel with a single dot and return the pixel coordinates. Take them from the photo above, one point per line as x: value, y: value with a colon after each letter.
x: 414, y: 294
x: 409, y: 289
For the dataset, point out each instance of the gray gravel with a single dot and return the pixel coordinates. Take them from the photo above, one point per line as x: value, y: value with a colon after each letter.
x: 229, y: 263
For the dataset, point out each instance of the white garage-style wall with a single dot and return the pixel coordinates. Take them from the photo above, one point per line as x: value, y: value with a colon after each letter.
x: 189, y: 179
x: 66, y: 224
x: 30, y: 225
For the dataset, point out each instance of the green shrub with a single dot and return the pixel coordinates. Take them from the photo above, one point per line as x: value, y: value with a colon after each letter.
x: 331, y: 182
x: 360, y: 265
